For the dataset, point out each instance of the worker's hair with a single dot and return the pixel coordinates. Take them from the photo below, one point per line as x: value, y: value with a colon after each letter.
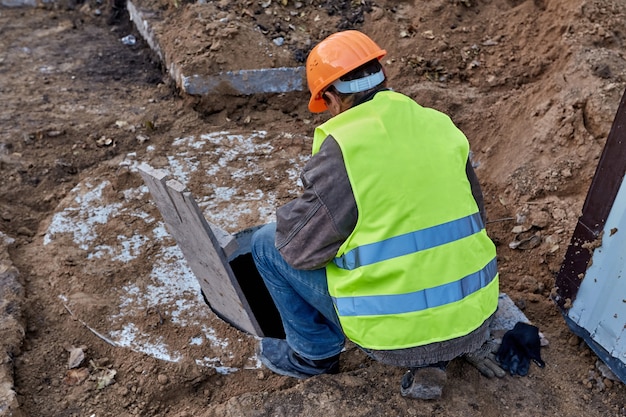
x: 369, y: 68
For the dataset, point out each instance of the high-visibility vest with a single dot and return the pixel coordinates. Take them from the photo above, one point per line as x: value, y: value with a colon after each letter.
x: 418, y: 268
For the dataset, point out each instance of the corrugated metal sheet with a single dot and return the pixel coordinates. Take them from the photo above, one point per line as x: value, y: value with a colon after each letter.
x: 591, y: 286
x: 600, y: 306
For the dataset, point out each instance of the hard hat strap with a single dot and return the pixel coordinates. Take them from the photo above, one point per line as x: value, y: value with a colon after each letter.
x: 360, y: 84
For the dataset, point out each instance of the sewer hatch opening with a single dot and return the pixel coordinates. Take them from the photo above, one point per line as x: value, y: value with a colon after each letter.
x: 257, y: 295
x: 259, y: 299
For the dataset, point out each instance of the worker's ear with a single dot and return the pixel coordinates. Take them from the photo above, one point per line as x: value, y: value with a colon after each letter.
x: 333, y: 102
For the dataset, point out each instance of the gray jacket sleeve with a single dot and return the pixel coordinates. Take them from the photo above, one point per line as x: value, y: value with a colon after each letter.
x: 311, y: 228
x: 476, y: 190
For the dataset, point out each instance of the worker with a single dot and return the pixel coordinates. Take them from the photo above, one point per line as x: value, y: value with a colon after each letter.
x: 386, y: 246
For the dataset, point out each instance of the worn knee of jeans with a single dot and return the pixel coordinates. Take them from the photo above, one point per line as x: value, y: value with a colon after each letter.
x: 258, y: 244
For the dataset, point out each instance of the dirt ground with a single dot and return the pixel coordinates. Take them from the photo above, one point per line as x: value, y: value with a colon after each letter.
x: 533, y: 84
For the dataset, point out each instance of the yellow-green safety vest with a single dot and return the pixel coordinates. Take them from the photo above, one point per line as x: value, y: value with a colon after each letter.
x: 418, y: 268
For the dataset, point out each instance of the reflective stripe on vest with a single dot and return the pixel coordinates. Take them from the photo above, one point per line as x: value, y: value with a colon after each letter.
x: 418, y: 300
x: 410, y: 242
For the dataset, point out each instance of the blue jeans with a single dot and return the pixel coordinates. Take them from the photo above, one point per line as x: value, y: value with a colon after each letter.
x: 311, y: 325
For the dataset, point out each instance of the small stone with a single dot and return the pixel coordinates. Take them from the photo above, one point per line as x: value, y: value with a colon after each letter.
x: 24, y: 231
x: 520, y: 229
x: 573, y: 340
x: 527, y: 283
x: 377, y: 13
x: 540, y: 219
x: 605, y: 371
x: 428, y: 34
x: 163, y: 379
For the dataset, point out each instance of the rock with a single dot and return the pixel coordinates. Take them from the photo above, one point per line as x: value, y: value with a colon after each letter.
x: 25, y: 231
x: 77, y: 355
x: 573, y: 340
x: 11, y: 296
x: 540, y: 219
x: 605, y: 371
x: 527, y: 283
x: 520, y: 228
x: 377, y: 13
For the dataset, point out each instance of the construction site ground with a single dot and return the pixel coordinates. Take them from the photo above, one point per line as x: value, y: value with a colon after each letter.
x: 100, y: 314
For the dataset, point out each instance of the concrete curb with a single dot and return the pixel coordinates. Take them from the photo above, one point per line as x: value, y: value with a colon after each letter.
x: 20, y: 3
x: 246, y: 82
x: 25, y: 3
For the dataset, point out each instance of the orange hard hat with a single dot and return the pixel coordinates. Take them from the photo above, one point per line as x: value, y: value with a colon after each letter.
x: 333, y: 58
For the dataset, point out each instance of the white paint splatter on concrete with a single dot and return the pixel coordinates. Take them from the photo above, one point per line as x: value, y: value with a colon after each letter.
x: 130, y: 336
x: 173, y: 284
x: 80, y: 221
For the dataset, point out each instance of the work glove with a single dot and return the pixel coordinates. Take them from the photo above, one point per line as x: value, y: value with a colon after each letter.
x: 485, y: 361
x: 519, y: 346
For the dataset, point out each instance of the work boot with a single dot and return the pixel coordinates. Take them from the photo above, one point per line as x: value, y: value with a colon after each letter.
x: 281, y: 359
x: 424, y: 383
